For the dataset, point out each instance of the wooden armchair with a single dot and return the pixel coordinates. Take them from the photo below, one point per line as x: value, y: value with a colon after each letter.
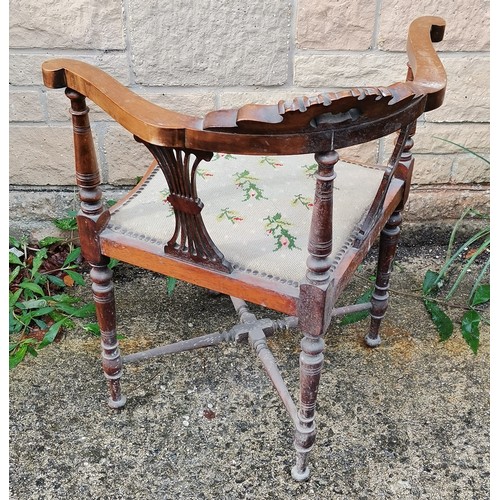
x: 236, y: 202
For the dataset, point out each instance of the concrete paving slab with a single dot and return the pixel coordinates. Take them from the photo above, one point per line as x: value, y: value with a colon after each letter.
x: 408, y: 420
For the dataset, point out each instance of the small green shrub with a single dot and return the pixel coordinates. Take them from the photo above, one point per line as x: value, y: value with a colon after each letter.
x: 39, y: 308
x: 460, y: 262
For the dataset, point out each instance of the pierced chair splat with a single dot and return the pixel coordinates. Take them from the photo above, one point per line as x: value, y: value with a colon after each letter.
x: 256, y: 203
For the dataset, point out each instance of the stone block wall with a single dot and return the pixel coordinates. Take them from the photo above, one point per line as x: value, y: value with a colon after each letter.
x: 194, y: 56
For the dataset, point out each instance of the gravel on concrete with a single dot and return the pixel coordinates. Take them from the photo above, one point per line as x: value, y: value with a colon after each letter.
x: 408, y: 420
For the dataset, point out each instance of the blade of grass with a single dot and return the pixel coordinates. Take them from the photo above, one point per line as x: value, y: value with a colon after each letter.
x: 13, y: 297
x: 75, y: 276
x: 171, y: 282
x: 454, y: 233
x: 56, y: 280
x: 18, y: 356
x: 28, y: 285
x: 472, y: 239
x: 479, y: 279
x: 473, y: 257
x: 49, y: 240
x: 464, y: 148
x: 13, y: 275
x: 14, y: 259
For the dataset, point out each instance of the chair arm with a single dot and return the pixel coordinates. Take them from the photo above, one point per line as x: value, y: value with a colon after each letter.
x: 142, y: 118
x: 427, y: 74
x: 290, y: 127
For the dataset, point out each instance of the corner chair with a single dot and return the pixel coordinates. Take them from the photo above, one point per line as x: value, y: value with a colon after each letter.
x: 255, y: 203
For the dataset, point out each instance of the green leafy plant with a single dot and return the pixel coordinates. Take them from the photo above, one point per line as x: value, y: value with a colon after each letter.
x: 38, y: 307
x: 67, y: 223
x: 458, y: 264
x: 39, y: 275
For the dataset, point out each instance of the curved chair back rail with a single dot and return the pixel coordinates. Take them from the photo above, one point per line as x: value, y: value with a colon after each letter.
x: 330, y: 120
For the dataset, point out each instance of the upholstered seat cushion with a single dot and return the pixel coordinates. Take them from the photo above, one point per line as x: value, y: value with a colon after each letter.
x: 257, y: 210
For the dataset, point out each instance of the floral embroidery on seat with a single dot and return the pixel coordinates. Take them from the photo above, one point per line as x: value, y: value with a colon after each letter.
x: 243, y: 199
x: 217, y: 156
x: 246, y: 182
x: 276, y: 227
x: 231, y: 215
x: 270, y: 161
x: 310, y: 170
x: 303, y: 200
x: 204, y: 173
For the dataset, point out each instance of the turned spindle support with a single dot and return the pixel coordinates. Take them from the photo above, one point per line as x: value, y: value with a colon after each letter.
x: 103, y: 292
x: 389, y: 238
x: 311, y: 363
x: 380, y: 297
x: 314, y: 317
x: 91, y: 218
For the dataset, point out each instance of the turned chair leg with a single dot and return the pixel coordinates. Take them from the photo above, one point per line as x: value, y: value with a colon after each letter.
x: 103, y: 291
x: 380, y: 299
x: 311, y: 362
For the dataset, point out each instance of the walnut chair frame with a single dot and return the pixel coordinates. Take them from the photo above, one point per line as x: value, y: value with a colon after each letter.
x: 179, y: 143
